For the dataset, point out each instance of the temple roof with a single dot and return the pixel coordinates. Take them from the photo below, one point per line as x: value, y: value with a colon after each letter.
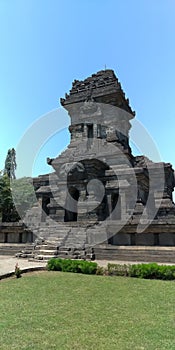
x: 102, y: 87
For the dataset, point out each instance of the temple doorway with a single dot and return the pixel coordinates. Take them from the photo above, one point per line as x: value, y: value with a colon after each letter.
x: 71, y: 203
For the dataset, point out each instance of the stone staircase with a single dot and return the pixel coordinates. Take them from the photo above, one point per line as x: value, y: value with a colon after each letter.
x: 69, y: 242
x: 76, y: 238
x: 135, y: 253
x: 49, y: 238
x: 75, y: 244
x: 45, y: 251
x: 59, y: 240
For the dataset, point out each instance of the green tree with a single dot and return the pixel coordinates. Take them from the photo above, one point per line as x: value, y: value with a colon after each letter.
x: 23, y: 194
x: 16, y: 195
x: 10, y: 163
x: 7, y: 208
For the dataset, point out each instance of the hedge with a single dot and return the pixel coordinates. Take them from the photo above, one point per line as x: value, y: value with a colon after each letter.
x: 68, y: 265
x: 148, y: 271
x: 151, y: 271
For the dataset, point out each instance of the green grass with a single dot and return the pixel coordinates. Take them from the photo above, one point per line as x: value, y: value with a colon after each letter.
x: 52, y: 310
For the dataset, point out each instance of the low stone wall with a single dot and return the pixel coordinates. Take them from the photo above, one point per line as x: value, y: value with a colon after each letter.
x: 135, y: 253
x: 144, y: 239
x: 156, y: 234
x: 15, y: 232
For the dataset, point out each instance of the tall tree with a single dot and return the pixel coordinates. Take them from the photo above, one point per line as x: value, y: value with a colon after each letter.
x: 16, y: 195
x: 7, y: 208
x: 10, y: 164
x: 8, y: 211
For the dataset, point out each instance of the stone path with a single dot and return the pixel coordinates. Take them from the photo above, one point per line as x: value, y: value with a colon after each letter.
x: 7, y: 264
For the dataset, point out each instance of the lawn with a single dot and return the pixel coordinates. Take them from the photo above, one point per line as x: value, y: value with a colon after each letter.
x: 53, y: 310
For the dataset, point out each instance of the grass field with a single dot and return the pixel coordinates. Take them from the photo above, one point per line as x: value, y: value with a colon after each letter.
x: 52, y: 310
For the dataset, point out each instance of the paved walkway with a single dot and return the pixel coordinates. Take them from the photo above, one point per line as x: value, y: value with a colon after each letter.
x: 7, y: 264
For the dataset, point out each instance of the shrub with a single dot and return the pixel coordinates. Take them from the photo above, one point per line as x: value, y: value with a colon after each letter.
x: 68, y: 265
x: 143, y: 270
x: 17, y: 271
x: 101, y: 271
x: 54, y: 264
x: 166, y: 272
x: 152, y: 271
x: 88, y: 267
x: 118, y: 270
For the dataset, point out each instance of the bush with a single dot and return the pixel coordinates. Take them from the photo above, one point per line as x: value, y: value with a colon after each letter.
x: 151, y: 271
x: 88, y: 267
x: 144, y: 270
x: 68, y: 265
x: 54, y: 264
x: 101, y: 271
x: 17, y: 271
x: 118, y: 270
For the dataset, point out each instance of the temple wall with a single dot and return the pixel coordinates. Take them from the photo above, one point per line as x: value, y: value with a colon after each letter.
x: 15, y: 233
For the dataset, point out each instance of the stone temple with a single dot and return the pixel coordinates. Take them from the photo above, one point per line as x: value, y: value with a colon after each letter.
x: 102, y: 201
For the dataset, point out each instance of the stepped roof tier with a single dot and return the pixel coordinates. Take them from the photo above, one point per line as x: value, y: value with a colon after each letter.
x: 102, y: 87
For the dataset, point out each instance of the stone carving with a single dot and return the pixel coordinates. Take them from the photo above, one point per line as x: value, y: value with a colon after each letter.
x: 69, y: 168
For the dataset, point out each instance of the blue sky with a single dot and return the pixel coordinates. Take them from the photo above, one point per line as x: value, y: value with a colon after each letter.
x: 46, y: 44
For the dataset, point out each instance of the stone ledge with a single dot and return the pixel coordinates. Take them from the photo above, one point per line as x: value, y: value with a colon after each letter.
x: 134, y: 247
x: 25, y: 270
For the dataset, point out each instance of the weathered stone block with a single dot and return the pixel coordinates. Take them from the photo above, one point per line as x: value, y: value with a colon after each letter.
x: 145, y: 239
x: 167, y: 239
x: 1, y: 237
x: 121, y: 239
x: 13, y: 237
